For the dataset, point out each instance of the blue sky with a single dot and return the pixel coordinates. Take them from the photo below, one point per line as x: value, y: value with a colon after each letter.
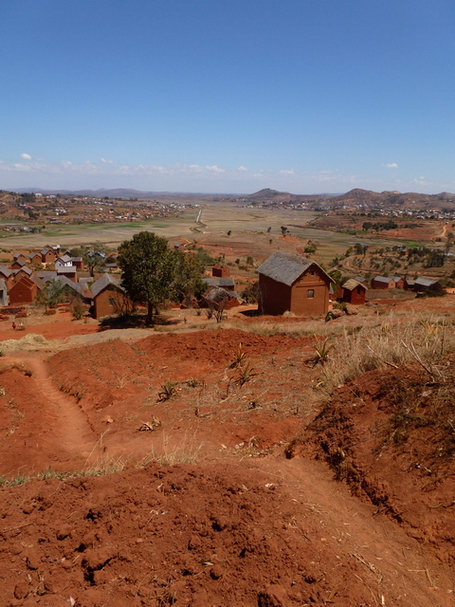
x: 230, y: 96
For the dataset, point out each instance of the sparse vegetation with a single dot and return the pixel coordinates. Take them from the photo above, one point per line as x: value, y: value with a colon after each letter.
x: 168, y: 390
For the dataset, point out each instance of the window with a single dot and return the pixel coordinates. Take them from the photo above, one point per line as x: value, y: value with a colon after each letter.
x: 310, y: 294
x: 312, y: 272
x: 359, y: 289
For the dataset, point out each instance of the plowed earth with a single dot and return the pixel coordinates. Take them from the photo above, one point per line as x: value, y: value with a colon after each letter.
x: 164, y: 480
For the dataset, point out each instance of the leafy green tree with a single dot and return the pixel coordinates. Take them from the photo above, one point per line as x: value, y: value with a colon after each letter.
x: 358, y: 248
x: 95, y: 258
x: 54, y: 292
x: 310, y: 248
x: 188, y: 282
x: 148, y: 270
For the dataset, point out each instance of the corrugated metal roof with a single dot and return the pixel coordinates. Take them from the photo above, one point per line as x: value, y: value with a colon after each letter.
x: 385, y: 279
x: 424, y: 282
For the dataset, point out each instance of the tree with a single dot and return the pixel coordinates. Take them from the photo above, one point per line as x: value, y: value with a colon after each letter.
x: 95, y: 258
x: 148, y: 269
x: 54, y: 292
x: 188, y: 280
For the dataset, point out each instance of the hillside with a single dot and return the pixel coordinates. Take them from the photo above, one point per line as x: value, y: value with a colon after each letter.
x: 231, y: 466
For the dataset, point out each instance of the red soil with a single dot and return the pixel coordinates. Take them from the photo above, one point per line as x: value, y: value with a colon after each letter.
x: 245, y: 526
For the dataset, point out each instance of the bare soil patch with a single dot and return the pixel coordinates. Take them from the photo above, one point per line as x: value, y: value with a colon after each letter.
x: 161, y: 478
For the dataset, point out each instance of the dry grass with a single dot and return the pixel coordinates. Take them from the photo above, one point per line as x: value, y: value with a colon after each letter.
x: 425, y: 341
x: 188, y: 452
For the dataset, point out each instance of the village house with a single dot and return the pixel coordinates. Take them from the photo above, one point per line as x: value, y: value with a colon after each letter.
x: 423, y: 285
x: 64, y: 261
x: 24, y: 271
x: 48, y: 255
x: 77, y: 289
x: 68, y: 271
x: 293, y: 284
x: 34, y: 258
x: 383, y: 282
x: 18, y: 256
x: 220, y: 299
x: 18, y: 263
x: 109, y: 297
x: 78, y: 262
x: 354, y: 292
x: 227, y: 283
x: 220, y: 271
x: 24, y: 291
x: 399, y: 282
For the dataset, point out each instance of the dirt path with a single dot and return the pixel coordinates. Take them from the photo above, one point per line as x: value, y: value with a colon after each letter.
x: 396, y: 568
x: 73, y: 433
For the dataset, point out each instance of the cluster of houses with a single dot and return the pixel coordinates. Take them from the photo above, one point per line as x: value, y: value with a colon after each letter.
x: 299, y: 285
x: 286, y: 284
x: 23, y: 279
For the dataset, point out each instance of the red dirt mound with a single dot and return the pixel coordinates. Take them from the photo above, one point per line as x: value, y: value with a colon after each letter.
x: 164, y: 536
x: 216, y: 347
x: 391, y: 438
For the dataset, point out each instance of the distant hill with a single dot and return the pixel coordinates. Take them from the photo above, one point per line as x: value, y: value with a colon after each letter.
x: 397, y: 199
x: 267, y: 196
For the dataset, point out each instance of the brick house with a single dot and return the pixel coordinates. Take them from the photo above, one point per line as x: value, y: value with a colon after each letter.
x: 220, y: 271
x: 18, y: 263
x: 78, y: 262
x: 68, y: 271
x: 18, y: 256
x: 24, y: 271
x: 383, y: 282
x: 422, y: 285
x: 34, y: 258
x: 354, y: 292
x: 219, y: 298
x: 295, y: 284
x: 48, y: 255
x: 109, y: 297
x: 23, y: 291
x: 227, y: 283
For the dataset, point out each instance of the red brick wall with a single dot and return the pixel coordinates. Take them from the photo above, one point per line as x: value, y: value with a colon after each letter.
x: 110, y: 301
x: 318, y: 305
x: 353, y: 297
x: 22, y: 294
x: 275, y: 297
x: 382, y: 285
x: 49, y: 257
x: 220, y: 271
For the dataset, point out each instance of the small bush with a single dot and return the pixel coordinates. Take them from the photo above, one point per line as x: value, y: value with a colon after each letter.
x: 168, y: 390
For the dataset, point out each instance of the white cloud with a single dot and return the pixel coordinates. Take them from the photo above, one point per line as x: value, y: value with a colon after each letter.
x: 421, y: 181
x: 390, y: 165
x: 26, y: 157
x: 104, y: 161
x: 242, y: 168
x: 287, y: 172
